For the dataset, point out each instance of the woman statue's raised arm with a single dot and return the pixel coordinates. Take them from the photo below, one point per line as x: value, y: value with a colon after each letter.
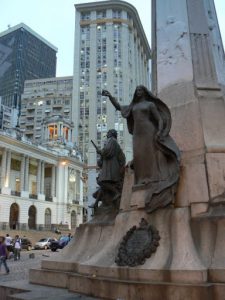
x: 113, y: 100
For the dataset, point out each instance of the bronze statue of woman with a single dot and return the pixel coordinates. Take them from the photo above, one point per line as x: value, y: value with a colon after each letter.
x: 155, y: 154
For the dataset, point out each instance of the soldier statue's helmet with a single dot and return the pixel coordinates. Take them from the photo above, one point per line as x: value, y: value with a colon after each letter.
x: 112, y: 132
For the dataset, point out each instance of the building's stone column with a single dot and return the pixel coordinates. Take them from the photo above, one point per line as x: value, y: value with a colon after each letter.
x: 61, y: 190
x: 42, y: 176
x: 3, y: 167
x: 56, y: 181
x: 25, y: 166
x: 25, y: 191
x: 6, y: 189
x: 78, y: 186
x: 81, y: 201
x: 66, y: 178
x: 22, y: 174
x: 39, y: 177
x: 8, y: 168
x: 27, y: 173
x: 41, y: 181
x: 53, y: 181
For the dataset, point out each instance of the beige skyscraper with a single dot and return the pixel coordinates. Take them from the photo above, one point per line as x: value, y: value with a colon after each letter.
x: 111, y: 52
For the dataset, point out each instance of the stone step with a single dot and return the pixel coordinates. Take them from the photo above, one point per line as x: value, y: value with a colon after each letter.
x: 22, y: 290
x: 111, y: 288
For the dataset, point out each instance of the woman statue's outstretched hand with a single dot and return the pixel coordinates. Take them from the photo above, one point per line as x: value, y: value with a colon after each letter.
x: 106, y: 93
x: 112, y: 99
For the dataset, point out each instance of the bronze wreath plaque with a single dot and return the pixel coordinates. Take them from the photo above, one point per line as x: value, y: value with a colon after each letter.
x: 137, y: 245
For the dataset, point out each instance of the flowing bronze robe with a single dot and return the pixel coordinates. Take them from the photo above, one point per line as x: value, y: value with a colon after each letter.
x: 155, y: 156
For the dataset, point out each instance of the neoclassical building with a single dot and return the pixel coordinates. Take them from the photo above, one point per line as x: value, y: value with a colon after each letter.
x: 40, y: 188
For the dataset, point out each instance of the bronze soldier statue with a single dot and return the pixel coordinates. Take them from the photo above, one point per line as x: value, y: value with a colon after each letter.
x: 110, y: 178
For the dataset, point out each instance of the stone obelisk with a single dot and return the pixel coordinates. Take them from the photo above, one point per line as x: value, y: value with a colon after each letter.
x: 188, y: 74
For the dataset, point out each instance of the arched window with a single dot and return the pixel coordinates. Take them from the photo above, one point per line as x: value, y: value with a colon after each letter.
x: 14, y: 216
x: 48, y: 216
x: 32, y: 217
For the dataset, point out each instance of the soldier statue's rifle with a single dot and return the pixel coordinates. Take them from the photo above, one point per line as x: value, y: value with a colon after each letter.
x: 96, y: 147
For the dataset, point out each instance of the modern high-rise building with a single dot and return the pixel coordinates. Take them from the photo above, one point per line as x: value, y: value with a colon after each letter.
x: 111, y: 52
x: 46, y: 108
x: 24, y: 54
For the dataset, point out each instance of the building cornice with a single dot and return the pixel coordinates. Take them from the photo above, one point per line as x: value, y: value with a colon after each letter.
x: 33, y: 151
x: 118, y: 4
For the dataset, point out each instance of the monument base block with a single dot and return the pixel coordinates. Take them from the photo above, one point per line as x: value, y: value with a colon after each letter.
x: 109, y: 288
x: 189, y: 262
x: 175, y: 271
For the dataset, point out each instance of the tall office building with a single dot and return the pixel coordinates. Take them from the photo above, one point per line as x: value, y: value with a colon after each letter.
x: 24, y: 54
x: 111, y: 52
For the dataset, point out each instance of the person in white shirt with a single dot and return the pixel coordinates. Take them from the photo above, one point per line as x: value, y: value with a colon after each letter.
x: 8, y: 242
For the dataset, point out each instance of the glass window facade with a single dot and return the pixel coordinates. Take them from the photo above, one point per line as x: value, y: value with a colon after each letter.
x: 23, y: 56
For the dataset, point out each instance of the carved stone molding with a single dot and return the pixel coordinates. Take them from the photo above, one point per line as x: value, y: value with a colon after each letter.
x: 138, y: 244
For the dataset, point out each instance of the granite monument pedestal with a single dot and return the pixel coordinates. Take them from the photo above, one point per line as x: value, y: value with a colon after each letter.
x: 189, y: 262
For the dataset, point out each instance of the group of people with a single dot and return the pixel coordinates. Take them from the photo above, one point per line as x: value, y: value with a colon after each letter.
x: 6, y: 250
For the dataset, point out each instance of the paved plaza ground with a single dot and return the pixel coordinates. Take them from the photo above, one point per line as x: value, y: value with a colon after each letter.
x: 19, y: 274
x: 19, y: 269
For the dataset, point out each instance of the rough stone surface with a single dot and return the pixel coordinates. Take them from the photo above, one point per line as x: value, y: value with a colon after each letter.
x: 187, y: 261
x: 15, y: 285
x: 216, y: 175
x: 192, y: 186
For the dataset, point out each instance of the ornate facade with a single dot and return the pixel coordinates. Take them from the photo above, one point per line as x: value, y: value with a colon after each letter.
x: 40, y: 188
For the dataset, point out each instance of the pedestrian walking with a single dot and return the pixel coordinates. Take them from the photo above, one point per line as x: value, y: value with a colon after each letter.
x: 8, y: 242
x: 3, y: 254
x: 17, y: 247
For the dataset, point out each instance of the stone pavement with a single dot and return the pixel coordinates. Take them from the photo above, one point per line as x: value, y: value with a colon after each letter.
x: 18, y: 278
x: 19, y: 269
